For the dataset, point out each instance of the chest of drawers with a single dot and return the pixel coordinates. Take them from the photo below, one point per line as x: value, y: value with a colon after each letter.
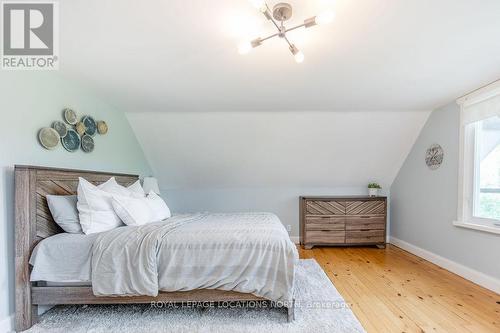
x: 343, y: 221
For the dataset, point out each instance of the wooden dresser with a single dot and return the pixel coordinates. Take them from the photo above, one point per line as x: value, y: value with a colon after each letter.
x: 343, y: 221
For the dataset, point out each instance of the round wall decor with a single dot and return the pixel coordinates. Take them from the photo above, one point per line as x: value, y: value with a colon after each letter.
x: 80, y: 128
x: 60, y: 127
x: 70, y: 116
x: 48, y: 137
x: 434, y: 156
x: 102, y: 127
x: 71, y: 142
x: 90, y: 125
x: 87, y: 143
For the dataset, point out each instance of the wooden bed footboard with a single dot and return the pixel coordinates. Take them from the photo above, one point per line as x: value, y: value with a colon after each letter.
x: 84, y: 295
x: 33, y: 223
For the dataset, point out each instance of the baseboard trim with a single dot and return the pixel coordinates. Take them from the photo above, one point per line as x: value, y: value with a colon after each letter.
x: 467, y: 273
x: 7, y: 324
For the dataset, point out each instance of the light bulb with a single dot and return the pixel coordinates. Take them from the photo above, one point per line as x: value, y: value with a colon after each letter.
x: 260, y: 5
x: 299, y: 57
x: 244, y: 47
x: 297, y: 54
x: 324, y: 18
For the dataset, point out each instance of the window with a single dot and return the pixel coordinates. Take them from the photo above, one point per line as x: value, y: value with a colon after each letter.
x: 487, y: 180
x: 479, y: 190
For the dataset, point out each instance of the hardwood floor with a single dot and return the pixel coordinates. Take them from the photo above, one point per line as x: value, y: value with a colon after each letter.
x: 391, y: 290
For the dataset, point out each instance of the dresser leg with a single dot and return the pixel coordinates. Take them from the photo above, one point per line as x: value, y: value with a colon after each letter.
x: 381, y: 246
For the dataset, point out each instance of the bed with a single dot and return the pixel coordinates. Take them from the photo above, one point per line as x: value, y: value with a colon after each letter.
x: 205, y: 258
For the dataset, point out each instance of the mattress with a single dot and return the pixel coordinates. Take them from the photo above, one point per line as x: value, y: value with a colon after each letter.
x: 219, y: 251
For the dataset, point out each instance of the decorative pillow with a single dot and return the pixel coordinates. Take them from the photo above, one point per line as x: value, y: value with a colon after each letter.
x: 139, y: 211
x: 158, y: 206
x: 111, y: 186
x: 136, y: 188
x: 133, y: 211
x: 64, y: 211
x: 95, y: 208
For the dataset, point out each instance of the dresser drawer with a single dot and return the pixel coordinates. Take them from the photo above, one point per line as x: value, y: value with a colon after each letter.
x: 325, y: 222
x: 320, y: 207
x: 366, y: 222
x: 370, y: 207
x: 325, y: 237
x: 325, y: 226
x: 358, y: 236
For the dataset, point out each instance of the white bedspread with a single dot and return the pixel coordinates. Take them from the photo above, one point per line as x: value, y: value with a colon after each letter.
x: 245, y: 252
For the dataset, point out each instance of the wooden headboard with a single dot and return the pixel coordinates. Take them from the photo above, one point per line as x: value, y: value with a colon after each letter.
x: 33, y: 184
x: 33, y: 221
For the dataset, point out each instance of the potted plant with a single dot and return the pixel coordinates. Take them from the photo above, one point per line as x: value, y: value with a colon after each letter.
x: 373, y: 189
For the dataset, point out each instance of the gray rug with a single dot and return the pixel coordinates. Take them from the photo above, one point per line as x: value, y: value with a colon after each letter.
x: 319, y: 308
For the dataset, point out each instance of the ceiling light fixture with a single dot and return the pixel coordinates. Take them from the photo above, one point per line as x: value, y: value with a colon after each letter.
x: 283, y: 12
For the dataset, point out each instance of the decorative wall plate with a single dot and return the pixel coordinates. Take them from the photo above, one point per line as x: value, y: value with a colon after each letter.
x: 60, y: 127
x: 102, y: 127
x: 90, y: 125
x: 71, y: 142
x: 70, y: 116
x: 434, y: 156
x: 80, y: 128
x: 49, y: 138
x: 87, y: 143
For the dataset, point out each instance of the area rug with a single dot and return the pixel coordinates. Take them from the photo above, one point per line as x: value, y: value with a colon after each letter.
x: 319, y: 308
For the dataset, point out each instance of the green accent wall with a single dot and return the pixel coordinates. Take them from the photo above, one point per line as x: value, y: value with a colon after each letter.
x: 34, y: 99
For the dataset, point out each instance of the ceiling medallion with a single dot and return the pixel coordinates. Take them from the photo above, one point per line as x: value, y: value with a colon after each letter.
x: 283, y: 12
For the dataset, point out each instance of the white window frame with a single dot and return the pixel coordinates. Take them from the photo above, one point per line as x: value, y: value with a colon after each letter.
x: 468, y: 182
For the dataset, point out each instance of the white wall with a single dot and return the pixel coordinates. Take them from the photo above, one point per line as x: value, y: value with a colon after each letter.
x: 29, y: 101
x: 241, y: 161
x: 424, y: 203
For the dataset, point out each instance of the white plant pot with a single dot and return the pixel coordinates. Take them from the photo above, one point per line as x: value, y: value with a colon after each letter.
x: 373, y: 192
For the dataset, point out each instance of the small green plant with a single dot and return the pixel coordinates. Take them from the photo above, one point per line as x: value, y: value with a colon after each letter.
x: 374, y: 185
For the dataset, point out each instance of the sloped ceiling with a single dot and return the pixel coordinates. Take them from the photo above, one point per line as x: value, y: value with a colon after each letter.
x: 276, y: 149
x: 175, y: 55
x: 208, y: 117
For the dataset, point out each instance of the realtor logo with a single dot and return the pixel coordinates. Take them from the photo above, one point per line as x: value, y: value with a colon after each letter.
x: 30, y: 35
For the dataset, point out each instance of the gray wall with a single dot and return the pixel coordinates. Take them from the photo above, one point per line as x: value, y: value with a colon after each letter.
x: 424, y: 202
x: 263, y: 161
x: 29, y: 101
x: 282, y: 201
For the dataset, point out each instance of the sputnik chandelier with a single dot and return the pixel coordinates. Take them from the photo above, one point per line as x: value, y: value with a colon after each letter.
x: 283, y: 12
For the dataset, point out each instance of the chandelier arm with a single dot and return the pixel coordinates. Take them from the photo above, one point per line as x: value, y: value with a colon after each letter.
x: 269, y: 37
x: 270, y: 17
x: 276, y: 24
x: 286, y: 38
x: 296, y: 27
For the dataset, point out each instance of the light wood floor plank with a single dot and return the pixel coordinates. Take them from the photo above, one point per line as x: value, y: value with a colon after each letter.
x: 391, y: 290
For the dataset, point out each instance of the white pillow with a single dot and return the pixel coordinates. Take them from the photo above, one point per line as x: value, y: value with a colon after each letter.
x: 95, y: 208
x: 64, y: 212
x: 136, y: 188
x: 111, y: 186
x: 140, y: 211
x: 158, y: 206
x: 133, y: 211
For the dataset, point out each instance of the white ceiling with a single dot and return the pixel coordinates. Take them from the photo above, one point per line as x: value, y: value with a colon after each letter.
x: 276, y: 149
x: 174, y: 55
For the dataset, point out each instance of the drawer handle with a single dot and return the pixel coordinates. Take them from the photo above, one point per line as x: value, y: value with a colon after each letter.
x: 365, y: 229
x: 365, y: 217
